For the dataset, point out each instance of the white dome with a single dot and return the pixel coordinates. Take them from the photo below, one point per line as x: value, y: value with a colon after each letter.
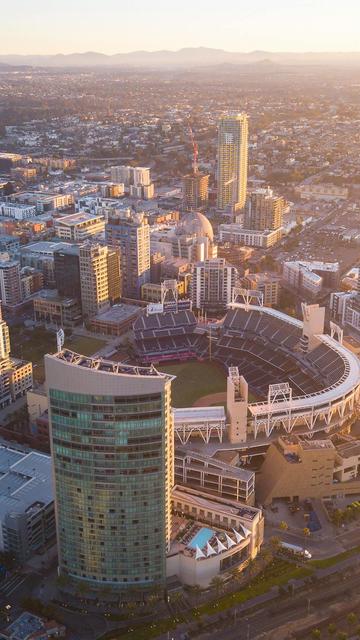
x: 197, y: 224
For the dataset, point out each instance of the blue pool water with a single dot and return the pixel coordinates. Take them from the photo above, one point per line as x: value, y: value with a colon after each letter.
x: 201, y: 538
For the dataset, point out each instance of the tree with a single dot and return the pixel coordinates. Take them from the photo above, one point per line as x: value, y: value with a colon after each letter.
x: 275, y: 543
x: 283, y: 525
x: 306, y: 532
x: 316, y: 633
x: 331, y: 628
x: 352, y: 618
x: 342, y: 635
x: 195, y: 591
x: 217, y: 584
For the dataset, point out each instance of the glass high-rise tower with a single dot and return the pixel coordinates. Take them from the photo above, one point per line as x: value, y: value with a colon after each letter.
x: 232, y: 161
x: 112, y: 447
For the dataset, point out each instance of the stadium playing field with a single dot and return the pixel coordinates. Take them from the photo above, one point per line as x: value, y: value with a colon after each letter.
x: 194, y: 380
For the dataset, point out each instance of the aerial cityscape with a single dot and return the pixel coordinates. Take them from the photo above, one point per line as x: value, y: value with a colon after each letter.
x: 180, y: 329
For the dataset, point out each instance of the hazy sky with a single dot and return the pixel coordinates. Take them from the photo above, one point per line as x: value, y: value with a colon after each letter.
x: 113, y: 26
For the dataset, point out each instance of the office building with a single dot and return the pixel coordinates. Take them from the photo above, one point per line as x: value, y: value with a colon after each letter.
x: 264, y: 211
x: 94, y: 279
x: 10, y: 283
x: 27, y: 518
x: 131, y: 233
x: 212, y: 282
x: 67, y: 270
x: 112, y: 448
x: 232, y: 162
x: 50, y: 308
x: 79, y: 226
x: 195, y: 189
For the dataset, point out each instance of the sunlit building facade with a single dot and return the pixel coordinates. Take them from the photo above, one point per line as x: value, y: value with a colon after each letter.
x: 232, y: 161
x: 111, y: 439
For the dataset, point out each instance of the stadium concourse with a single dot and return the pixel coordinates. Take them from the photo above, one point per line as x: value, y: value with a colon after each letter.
x: 305, y: 381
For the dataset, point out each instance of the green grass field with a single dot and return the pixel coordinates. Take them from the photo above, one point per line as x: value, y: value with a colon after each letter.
x: 84, y: 345
x: 194, y: 380
x: 33, y: 344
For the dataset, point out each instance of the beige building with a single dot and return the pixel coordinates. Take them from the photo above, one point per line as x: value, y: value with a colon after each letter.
x: 296, y: 469
x: 269, y: 285
x: 264, y: 210
x: 79, y: 226
x: 151, y: 292
x: 94, y: 279
x: 50, y: 308
x: 232, y: 161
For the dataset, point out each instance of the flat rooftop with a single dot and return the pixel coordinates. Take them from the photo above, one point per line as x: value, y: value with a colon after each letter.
x: 204, y: 462
x: 44, y: 248
x: 349, y: 449
x: 25, y: 480
x: 118, y: 313
x: 199, y: 414
x: 78, y: 218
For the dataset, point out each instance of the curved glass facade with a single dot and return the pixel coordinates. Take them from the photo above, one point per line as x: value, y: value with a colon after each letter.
x: 113, y: 473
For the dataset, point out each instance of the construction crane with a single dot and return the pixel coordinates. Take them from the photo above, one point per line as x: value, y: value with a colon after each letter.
x: 195, y: 151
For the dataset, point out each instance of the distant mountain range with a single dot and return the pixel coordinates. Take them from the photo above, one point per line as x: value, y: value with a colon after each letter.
x: 190, y: 57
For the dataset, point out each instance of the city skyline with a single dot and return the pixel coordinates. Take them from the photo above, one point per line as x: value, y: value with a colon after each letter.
x: 85, y: 27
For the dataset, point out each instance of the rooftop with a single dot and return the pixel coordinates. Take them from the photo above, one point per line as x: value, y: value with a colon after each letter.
x: 118, y: 313
x: 78, y: 218
x: 108, y: 366
x: 25, y: 480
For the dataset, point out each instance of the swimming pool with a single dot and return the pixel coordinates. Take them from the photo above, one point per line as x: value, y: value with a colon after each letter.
x: 201, y: 538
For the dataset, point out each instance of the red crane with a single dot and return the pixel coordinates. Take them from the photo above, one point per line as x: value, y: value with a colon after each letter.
x: 195, y: 151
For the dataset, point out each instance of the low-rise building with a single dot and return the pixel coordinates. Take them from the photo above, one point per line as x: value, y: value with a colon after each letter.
x: 326, y: 191
x: 50, y: 308
x: 235, y: 234
x: 78, y: 227
x: 27, y: 519
x: 211, y: 535
x: 116, y: 321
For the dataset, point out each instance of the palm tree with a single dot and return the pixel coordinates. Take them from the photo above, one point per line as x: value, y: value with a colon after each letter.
x: 195, y: 591
x: 217, y: 584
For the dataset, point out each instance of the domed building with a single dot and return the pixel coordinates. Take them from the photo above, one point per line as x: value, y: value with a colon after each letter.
x: 196, y: 224
x: 192, y: 239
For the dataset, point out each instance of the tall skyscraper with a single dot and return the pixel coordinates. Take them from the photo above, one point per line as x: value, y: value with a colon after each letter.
x: 112, y: 447
x: 264, y: 210
x: 131, y: 233
x: 232, y: 161
x: 94, y: 279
